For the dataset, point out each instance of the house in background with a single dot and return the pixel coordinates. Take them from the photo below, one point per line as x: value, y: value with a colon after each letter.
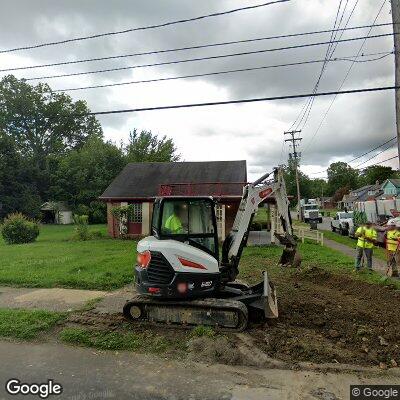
x: 391, y: 187
x: 140, y: 183
x: 56, y: 212
x: 363, y: 193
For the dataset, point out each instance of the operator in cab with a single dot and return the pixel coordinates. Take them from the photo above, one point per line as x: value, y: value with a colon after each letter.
x: 174, y: 224
x: 367, y: 237
x: 392, y: 248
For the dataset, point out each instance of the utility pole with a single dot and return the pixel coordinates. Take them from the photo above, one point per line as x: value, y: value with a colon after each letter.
x: 396, y: 39
x: 296, y: 157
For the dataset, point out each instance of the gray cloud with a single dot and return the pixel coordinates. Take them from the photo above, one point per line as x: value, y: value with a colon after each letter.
x: 355, y: 124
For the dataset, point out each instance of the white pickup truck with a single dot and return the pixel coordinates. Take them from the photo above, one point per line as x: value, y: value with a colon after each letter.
x: 310, y: 212
x: 342, y: 222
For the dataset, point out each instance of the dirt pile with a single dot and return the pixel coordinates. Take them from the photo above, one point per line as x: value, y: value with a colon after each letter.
x: 327, y: 317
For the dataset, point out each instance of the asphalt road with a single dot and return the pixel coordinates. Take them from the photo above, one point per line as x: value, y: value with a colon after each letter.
x: 90, y: 374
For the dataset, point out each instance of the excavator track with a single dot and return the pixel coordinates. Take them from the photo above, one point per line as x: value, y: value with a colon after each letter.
x: 222, y: 314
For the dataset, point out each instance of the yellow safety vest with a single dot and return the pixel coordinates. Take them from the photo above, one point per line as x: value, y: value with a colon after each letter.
x: 174, y: 224
x: 392, y: 239
x: 368, y: 233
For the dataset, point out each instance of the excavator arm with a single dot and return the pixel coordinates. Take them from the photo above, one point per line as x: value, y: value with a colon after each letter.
x: 253, y: 194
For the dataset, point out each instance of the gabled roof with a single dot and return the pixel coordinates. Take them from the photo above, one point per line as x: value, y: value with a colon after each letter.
x: 394, y: 181
x: 143, y: 180
x: 55, y: 205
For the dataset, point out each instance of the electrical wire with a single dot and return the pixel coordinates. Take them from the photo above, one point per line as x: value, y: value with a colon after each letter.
x: 162, y: 25
x: 203, y: 58
x: 242, y: 101
x: 306, y: 109
x: 214, y: 73
x: 362, y: 155
x: 202, y: 46
x: 376, y: 155
x: 345, y: 78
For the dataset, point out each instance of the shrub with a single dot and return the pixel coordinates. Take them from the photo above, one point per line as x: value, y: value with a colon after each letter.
x: 82, y: 228
x: 17, y: 228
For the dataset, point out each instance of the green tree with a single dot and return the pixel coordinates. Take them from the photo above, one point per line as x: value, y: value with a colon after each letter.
x: 146, y: 147
x: 318, y: 188
x: 44, y: 125
x: 83, y: 174
x: 17, y: 189
x: 377, y: 173
x: 305, y: 183
x: 340, y: 174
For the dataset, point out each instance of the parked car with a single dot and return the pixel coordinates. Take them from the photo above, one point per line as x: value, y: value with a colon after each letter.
x: 343, y: 222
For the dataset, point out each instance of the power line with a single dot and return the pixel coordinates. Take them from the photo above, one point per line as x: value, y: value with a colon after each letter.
x: 375, y: 148
x: 162, y: 25
x: 308, y: 105
x: 362, y: 155
x: 218, y: 72
x: 376, y: 155
x: 345, y: 78
x: 330, y: 51
x: 380, y: 162
x: 203, y: 58
x: 361, y: 169
x: 188, y: 48
x: 252, y: 100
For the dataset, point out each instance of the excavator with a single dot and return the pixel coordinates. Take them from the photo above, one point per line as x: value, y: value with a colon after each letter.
x: 182, y: 277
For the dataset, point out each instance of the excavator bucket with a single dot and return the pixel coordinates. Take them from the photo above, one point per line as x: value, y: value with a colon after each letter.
x: 267, y: 301
x: 290, y: 256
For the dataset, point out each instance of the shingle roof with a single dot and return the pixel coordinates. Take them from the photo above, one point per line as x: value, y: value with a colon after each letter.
x: 143, y: 180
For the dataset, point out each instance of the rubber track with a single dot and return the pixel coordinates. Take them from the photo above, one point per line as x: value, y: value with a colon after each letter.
x: 205, y: 305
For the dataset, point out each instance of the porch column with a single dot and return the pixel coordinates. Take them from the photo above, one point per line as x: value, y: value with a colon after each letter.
x: 145, y: 218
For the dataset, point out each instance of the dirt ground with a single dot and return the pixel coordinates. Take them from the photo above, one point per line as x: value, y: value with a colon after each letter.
x: 327, y: 317
x: 324, y: 318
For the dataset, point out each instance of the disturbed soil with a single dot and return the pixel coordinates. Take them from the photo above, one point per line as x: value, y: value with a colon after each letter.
x: 326, y: 317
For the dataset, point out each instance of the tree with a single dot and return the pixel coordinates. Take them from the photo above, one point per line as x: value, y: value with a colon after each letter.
x: 43, y: 125
x: 83, y: 175
x: 338, y: 195
x: 17, y: 189
x: 340, y: 174
x: 146, y: 147
x: 290, y: 180
x: 318, y: 188
x: 377, y: 173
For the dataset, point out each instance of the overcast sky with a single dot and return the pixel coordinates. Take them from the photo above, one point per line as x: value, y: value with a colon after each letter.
x: 355, y: 123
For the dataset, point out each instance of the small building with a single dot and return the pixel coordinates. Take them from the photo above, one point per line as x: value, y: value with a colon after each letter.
x: 139, y: 184
x: 364, y: 193
x: 56, y: 212
x: 391, y: 187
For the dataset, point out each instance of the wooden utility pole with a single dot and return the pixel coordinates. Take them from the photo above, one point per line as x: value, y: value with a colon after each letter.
x: 396, y: 39
x: 296, y: 157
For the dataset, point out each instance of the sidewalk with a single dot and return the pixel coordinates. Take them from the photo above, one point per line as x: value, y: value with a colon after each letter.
x: 377, y: 264
x: 53, y: 299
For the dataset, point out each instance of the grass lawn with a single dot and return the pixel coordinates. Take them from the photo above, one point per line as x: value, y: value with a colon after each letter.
x: 261, y: 215
x: 55, y: 260
x: 121, y: 340
x: 257, y: 259
x: 27, y: 324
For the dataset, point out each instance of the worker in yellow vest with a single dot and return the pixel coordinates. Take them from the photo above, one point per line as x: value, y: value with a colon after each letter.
x: 367, y: 236
x: 392, y: 252
x: 173, y: 224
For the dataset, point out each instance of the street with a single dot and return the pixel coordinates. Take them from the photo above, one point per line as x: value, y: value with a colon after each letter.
x: 90, y: 374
